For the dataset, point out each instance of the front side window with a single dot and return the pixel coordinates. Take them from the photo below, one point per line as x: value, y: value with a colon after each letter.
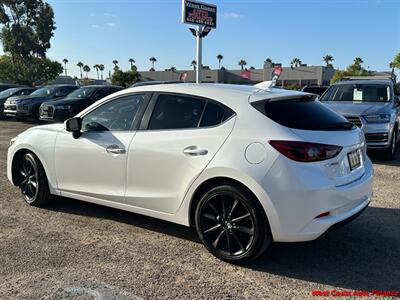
x: 44, y: 92
x: 358, y: 93
x: 116, y: 115
x: 176, y: 112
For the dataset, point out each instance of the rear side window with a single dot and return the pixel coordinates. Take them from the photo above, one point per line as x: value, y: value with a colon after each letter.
x: 176, y: 112
x: 305, y: 114
x: 214, y: 114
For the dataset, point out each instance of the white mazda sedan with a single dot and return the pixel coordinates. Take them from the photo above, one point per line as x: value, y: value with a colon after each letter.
x: 246, y: 166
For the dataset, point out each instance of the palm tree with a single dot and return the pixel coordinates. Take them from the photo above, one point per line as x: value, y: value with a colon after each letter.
x: 194, y: 64
x: 97, y: 67
x: 115, y: 62
x: 65, y: 61
x: 219, y: 57
x: 328, y: 59
x: 101, y: 68
x: 132, y: 61
x: 152, y: 60
x: 296, y: 62
x: 242, y: 63
x: 86, y: 69
x: 80, y: 65
x: 358, y: 61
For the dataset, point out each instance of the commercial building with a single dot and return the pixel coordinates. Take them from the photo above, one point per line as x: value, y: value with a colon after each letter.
x: 291, y: 76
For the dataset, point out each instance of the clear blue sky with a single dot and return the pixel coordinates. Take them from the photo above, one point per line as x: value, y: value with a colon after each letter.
x: 98, y: 31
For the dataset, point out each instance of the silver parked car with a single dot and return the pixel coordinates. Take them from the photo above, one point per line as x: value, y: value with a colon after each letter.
x: 372, y: 105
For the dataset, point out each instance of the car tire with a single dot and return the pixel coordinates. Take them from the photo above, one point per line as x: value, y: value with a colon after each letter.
x: 20, y: 119
x: 33, y: 185
x: 232, y: 225
x: 390, y: 152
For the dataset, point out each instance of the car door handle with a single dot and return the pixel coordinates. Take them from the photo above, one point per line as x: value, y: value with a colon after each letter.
x: 115, y: 149
x: 195, y: 151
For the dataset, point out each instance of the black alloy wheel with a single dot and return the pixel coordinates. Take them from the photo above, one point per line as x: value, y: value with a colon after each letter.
x: 231, y: 225
x: 33, y: 181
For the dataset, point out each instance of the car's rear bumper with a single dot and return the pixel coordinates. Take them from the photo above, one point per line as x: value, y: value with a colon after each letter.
x: 307, y: 203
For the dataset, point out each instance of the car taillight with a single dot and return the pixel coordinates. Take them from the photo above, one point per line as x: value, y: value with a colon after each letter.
x: 306, y: 152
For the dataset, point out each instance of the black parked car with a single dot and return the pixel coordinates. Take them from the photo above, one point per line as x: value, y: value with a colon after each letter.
x: 24, y: 107
x: 19, y: 91
x: 75, y: 102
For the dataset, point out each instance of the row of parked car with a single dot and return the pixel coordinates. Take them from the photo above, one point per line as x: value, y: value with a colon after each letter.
x: 51, y: 103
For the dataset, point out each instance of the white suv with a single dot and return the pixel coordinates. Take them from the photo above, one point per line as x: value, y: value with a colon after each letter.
x: 246, y: 166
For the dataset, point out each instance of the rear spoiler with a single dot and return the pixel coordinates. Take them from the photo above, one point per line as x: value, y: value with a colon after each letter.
x: 265, y: 85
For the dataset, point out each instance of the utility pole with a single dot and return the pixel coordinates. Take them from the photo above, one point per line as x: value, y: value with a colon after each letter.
x: 199, y: 53
x: 205, y: 17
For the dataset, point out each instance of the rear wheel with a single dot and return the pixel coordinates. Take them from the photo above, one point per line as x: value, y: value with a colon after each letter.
x: 21, y: 119
x: 34, y: 185
x: 231, y: 225
x: 390, y: 152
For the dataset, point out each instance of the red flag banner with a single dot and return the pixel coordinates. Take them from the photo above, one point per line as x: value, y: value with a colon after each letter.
x: 245, y: 74
x: 183, y: 76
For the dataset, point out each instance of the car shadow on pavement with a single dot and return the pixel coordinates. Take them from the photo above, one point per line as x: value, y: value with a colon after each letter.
x: 76, y: 207
x: 363, y: 255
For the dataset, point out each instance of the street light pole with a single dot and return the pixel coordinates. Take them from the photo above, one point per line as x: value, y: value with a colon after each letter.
x: 199, y: 53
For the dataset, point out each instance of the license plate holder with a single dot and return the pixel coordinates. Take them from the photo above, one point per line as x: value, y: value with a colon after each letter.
x: 354, y: 158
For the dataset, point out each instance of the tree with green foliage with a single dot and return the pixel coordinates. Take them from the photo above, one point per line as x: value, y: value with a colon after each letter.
x: 86, y: 69
x: 101, y: 68
x: 65, y: 61
x: 355, y: 69
x: 194, y: 64
x: 153, y: 61
x: 35, y: 71
x: 328, y: 59
x: 80, y: 65
x: 220, y: 57
x: 115, y: 62
x: 125, y: 79
x: 26, y: 29
x: 242, y: 63
x: 97, y: 67
x: 395, y: 64
x: 296, y: 62
x: 132, y: 62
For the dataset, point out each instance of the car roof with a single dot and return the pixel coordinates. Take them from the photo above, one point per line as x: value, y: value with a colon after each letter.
x: 101, y: 86
x: 58, y: 85
x: 365, y: 81
x: 231, y: 95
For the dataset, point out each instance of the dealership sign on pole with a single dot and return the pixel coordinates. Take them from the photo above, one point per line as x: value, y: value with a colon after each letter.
x: 205, y: 17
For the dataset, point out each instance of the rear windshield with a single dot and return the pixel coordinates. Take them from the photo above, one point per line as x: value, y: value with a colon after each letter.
x: 302, y: 113
x: 358, y: 93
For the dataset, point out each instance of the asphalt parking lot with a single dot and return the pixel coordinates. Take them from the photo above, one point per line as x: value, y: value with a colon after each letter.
x: 71, y: 249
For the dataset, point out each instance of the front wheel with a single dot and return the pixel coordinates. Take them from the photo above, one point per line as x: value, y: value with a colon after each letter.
x: 232, y: 225
x: 390, y: 152
x: 33, y: 185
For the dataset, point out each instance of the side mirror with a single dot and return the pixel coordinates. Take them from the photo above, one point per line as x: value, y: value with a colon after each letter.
x: 74, y: 125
